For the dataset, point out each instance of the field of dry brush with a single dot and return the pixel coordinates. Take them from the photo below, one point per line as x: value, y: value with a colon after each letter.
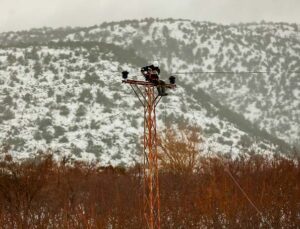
x: 42, y: 193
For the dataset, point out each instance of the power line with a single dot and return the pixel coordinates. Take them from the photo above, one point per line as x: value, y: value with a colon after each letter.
x: 225, y: 72
x: 227, y: 170
x: 243, y: 191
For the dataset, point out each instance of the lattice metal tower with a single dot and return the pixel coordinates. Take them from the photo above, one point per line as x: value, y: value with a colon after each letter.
x: 149, y: 98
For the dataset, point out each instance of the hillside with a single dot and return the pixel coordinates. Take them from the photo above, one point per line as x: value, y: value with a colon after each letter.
x: 60, y: 88
x: 270, y: 100
x: 69, y: 97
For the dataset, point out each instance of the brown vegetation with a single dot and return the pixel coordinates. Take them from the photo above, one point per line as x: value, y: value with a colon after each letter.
x: 43, y: 194
x: 196, y: 191
x: 178, y: 150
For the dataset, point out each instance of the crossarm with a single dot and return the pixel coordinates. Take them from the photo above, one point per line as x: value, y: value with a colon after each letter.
x: 146, y: 83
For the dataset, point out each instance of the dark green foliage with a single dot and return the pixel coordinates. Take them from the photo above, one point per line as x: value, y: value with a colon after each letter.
x: 58, y: 99
x: 53, y: 69
x: 15, y: 130
x: 16, y: 96
x: 222, y: 141
x: 59, y: 131
x: 226, y: 134
x: 116, y: 156
x: 81, y: 111
x: 101, y: 98
x: 211, y: 129
x: 38, y: 69
x: 17, y: 143
x: 11, y: 59
x: 107, y: 140
x: 117, y: 96
x: 64, y: 56
x: 91, y: 78
x: 94, y: 149
x: 245, y: 141
x: 13, y: 77
x: 7, y: 114
x: 73, y: 128
x: 184, y: 108
x: 215, y: 108
x: 27, y: 97
x: 134, y: 123
x: 75, y: 150
x: 64, y: 110
x: 37, y: 135
x: 32, y: 54
x: 165, y: 31
x: 107, y: 110
x: 64, y: 139
x: 47, y: 136
x: 67, y: 75
x: 263, y: 146
x: 94, y: 125
x: 85, y: 96
x: 47, y: 59
x: 8, y: 100
x: 44, y: 123
x: 121, y: 55
x: 68, y: 96
x: 93, y: 56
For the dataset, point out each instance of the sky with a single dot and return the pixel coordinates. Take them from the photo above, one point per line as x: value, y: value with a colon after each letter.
x: 26, y: 14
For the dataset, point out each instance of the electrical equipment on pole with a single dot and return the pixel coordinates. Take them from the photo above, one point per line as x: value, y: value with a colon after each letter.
x: 149, y: 98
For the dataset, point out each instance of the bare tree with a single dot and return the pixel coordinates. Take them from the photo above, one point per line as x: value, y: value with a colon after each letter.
x: 179, y: 149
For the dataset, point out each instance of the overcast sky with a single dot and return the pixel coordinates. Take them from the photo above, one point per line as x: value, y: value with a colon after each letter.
x: 25, y: 14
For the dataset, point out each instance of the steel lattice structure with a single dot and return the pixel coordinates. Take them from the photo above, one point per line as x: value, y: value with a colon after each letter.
x: 146, y: 93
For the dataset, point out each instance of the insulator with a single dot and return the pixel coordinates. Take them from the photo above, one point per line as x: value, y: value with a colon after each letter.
x: 125, y: 75
x: 172, y: 79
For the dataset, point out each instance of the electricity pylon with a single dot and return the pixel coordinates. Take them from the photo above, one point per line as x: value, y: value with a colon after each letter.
x: 146, y: 93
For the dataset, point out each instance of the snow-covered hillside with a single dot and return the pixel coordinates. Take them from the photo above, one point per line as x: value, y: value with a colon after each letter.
x: 61, y: 88
x: 271, y: 100
x: 70, y: 98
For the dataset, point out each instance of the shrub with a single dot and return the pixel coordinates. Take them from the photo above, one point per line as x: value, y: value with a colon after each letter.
x: 64, y: 111
x: 7, y: 115
x: 81, y: 111
x: 43, y: 192
x: 85, y: 96
x: 44, y: 123
x: 76, y: 150
x: 101, y: 98
x: 17, y: 143
x: 59, y: 131
x: 91, y: 78
x: 179, y: 149
x: 64, y: 139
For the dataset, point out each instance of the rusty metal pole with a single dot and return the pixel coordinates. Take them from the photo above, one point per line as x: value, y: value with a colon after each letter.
x: 151, y: 180
x: 151, y: 195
